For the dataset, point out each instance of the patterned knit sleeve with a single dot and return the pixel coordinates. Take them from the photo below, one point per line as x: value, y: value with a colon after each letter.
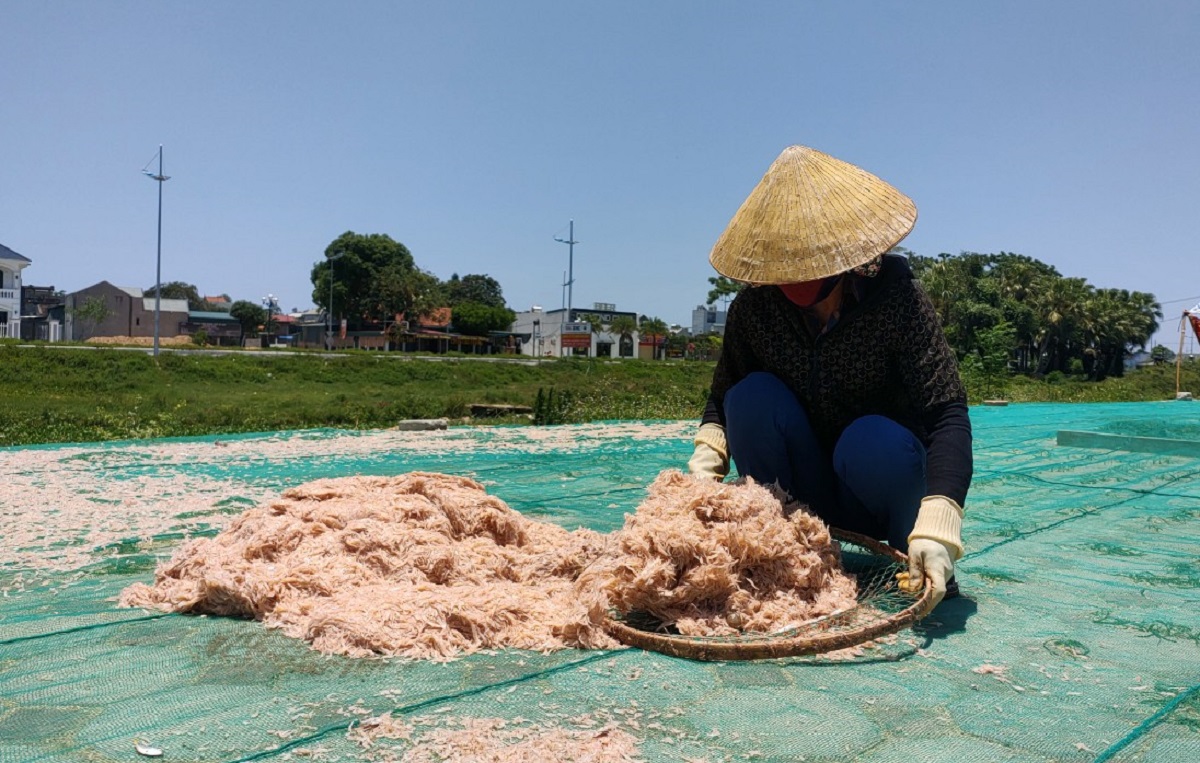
x: 929, y: 372
x: 731, y: 365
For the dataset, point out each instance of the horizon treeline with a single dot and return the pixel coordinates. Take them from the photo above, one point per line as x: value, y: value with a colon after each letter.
x: 1010, y: 312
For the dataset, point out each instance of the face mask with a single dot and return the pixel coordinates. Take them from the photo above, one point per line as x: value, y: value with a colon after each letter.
x: 809, y: 293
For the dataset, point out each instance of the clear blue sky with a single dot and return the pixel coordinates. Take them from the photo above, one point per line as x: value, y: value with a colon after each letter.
x: 473, y: 131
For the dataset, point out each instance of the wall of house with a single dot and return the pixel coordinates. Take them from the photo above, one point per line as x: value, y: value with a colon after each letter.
x: 116, y: 323
x: 171, y: 322
x: 10, y: 284
x: 127, y: 315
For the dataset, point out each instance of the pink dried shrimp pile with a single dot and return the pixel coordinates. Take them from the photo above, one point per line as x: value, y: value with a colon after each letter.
x: 715, y: 559
x: 430, y: 566
x: 421, y: 565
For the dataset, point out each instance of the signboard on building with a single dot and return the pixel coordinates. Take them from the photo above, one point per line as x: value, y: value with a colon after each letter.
x: 581, y: 341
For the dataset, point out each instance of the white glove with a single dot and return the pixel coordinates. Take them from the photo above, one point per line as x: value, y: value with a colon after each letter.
x: 710, y: 459
x: 929, y: 558
x: 934, y: 544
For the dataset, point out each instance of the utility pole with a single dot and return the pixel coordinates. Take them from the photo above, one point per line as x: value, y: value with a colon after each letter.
x: 1183, y: 320
x: 570, y: 242
x: 161, y: 178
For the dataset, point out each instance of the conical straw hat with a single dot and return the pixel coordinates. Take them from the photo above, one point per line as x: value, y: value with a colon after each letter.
x: 811, y: 216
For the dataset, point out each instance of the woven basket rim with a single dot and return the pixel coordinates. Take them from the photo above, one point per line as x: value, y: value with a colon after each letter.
x: 761, y: 649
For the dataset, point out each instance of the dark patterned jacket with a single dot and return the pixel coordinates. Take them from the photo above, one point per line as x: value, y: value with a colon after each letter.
x: 886, y: 354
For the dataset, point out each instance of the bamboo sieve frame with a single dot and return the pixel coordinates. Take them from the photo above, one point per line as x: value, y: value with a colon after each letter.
x: 691, y: 648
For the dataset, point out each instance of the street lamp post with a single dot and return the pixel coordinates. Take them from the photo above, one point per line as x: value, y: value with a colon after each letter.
x: 272, y: 304
x: 161, y: 178
x: 329, y: 317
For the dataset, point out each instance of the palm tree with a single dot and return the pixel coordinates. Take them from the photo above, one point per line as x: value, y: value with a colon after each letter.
x: 1121, y: 322
x: 1059, y: 305
x: 1017, y: 273
x: 654, y: 328
x: 1149, y: 313
x: 624, y: 327
x: 1103, y: 326
x: 1012, y: 282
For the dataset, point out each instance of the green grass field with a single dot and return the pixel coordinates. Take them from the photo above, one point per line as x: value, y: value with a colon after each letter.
x: 76, y: 395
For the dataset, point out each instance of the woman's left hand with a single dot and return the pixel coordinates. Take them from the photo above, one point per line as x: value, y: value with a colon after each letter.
x: 934, y: 543
x: 932, y: 559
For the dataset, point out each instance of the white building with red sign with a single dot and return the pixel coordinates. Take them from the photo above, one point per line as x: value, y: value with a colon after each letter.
x: 563, y: 333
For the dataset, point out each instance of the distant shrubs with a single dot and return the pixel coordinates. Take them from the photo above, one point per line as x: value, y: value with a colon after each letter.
x: 69, y: 395
x: 551, y: 409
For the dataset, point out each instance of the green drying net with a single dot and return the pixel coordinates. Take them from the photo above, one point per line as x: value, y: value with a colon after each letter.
x: 1077, y: 637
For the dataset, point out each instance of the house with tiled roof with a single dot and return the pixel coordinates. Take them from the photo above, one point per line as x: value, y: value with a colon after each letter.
x: 219, y: 302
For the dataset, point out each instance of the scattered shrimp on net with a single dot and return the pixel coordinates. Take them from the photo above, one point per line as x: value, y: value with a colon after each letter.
x: 494, y: 740
x: 63, y: 508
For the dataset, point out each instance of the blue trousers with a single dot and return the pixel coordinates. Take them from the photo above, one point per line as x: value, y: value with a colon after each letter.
x: 872, y: 483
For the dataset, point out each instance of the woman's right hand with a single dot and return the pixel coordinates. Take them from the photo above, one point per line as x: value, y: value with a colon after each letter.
x: 710, y: 459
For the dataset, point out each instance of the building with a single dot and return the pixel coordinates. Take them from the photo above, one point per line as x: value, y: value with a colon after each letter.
x: 563, y: 333
x: 708, y: 320
x: 219, y: 302
x: 309, y: 328
x: 429, y: 332
x: 106, y: 310
x: 11, y: 265
x: 42, y: 313
x: 216, y: 327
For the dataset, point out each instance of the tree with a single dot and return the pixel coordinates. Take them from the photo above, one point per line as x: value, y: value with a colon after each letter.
x: 656, y: 329
x: 1116, y: 322
x: 1056, y: 323
x: 1058, y: 304
x: 248, y: 315
x: 712, y: 344
x: 402, y: 291
x: 1161, y: 354
x: 966, y: 301
x: 475, y: 319
x: 90, y: 314
x: 374, y: 278
x: 675, y: 344
x: 181, y: 290
x: 723, y: 289
x: 1018, y: 278
x: 995, y: 346
x: 624, y: 327
x: 594, y: 321
x: 480, y: 289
